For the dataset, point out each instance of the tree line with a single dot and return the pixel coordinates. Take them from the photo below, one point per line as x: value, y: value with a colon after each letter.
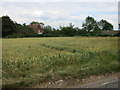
x: 90, y: 27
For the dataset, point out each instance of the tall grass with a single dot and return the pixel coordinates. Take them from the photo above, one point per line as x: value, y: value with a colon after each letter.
x: 29, y: 61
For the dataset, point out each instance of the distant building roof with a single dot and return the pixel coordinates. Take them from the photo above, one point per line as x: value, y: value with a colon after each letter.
x: 37, y: 28
x: 109, y: 32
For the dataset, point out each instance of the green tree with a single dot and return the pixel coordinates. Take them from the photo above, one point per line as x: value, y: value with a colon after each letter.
x: 24, y: 30
x: 119, y: 26
x: 105, y: 25
x: 8, y: 26
x: 97, y: 31
x: 24, y: 24
x: 13, y: 29
x: 47, y: 29
x: 89, y: 23
x: 68, y: 30
x: 35, y: 22
x: 82, y: 31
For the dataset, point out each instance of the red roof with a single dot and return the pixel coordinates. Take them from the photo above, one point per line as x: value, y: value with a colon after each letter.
x: 37, y: 28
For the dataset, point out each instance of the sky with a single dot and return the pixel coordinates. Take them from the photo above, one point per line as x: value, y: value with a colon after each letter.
x: 58, y: 13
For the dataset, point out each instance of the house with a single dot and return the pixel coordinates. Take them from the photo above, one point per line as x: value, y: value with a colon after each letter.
x: 110, y: 32
x: 36, y: 27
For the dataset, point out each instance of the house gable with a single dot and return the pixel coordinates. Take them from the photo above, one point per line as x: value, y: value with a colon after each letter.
x: 36, y: 28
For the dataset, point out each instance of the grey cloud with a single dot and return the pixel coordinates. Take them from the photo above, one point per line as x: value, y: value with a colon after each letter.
x: 55, y: 13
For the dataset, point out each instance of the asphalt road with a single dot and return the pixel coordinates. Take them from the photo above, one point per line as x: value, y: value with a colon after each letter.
x: 109, y: 83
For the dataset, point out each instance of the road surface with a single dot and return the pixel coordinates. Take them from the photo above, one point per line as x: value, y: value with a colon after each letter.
x: 109, y: 83
x: 94, y: 81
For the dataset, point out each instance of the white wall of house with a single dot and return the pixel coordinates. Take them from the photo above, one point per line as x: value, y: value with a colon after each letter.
x: 39, y: 32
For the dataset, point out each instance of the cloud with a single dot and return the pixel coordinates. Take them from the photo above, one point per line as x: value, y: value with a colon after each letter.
x: 113, y: 19
x: 60, y: 13
x: 37, y: 13
x: 60, y: 1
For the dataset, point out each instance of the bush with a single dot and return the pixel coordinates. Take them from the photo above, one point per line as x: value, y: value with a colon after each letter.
x: 117, y: 34
x: 30, y: 35
x: 84, y: 35
x: 15, y: 36
x: 50, y: 35
x: 105, y: 35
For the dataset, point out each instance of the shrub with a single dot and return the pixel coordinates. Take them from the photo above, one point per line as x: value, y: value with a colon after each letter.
x: 14, y: 35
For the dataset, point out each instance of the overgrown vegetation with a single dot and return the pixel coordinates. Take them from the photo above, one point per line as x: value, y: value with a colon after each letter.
x: 30, y: 61
x: 90, y: 27
x: 13, y: 29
